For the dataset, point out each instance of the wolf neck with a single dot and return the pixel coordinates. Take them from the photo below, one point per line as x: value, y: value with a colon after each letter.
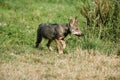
x: 68, y: 28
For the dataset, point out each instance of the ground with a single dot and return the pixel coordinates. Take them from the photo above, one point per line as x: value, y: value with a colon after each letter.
x: 79, y: 65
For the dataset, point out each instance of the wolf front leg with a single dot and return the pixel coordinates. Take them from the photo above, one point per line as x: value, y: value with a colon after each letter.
x: 60, y: 51
x: 63, y: 44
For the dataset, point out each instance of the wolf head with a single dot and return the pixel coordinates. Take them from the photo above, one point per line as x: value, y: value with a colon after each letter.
x: 74, y: 28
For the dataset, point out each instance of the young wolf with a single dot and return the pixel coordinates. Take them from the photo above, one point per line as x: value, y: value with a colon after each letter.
x: 57, y: 32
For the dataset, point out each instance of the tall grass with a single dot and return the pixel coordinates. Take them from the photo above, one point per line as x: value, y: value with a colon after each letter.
x: 102, y: 20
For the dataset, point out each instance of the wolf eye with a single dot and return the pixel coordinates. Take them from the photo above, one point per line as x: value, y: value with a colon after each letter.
x: 76, y: 28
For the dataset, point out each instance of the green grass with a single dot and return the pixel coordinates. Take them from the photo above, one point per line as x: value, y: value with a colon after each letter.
x: 20, y: 19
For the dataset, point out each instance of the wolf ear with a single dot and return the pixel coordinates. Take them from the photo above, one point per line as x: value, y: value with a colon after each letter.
x: 71, y: 22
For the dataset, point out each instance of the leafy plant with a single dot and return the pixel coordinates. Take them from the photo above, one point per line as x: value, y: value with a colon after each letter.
x: 102, y: 17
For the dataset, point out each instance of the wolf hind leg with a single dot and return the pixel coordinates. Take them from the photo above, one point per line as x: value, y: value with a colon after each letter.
x: 38, y: 40
x: 48, y: 45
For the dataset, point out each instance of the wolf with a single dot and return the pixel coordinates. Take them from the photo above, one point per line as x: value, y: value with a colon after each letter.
x: 57, y: 33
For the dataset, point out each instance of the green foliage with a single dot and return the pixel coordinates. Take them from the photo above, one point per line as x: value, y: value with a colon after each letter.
x: 19, y: 20
x: 104, y: 15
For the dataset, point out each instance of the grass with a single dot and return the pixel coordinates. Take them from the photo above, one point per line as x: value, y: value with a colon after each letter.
x: 51, y: 66
x: 85, y: 59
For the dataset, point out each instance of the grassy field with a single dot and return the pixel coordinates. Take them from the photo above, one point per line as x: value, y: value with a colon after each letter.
x: 86, y: 58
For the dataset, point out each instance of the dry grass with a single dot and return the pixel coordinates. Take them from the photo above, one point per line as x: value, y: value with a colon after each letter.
x: 73, y: 66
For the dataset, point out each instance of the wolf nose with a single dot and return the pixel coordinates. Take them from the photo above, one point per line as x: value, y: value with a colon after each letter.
x: 82, y: 34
